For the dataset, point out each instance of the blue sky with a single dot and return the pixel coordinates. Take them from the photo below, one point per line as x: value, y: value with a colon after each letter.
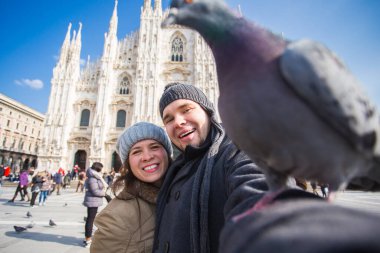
x: 32, y: 33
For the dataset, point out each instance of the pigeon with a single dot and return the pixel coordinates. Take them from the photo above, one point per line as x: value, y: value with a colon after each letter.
x: 19, y: 229
x: 85, y: 219
x: 31, y: 224
x: 52, y: 223
x: 65, y: 204
x: 292, y: 106
x: 29, y: 214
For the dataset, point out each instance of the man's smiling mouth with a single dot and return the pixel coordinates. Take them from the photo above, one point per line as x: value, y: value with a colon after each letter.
x: 187, y: 133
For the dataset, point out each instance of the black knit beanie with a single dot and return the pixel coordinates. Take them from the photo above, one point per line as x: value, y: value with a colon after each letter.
x: 175, y: 91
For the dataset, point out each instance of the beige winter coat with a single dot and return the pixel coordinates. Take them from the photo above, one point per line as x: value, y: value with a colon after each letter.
x: 125, y: 225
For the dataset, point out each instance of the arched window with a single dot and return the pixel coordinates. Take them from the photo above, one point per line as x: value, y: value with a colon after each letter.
x: 85, y: 118
x: 120, y: 119
x: 177, y: 49
x: 125, y: 86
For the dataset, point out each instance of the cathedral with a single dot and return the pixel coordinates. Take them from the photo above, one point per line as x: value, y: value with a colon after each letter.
x: 89, y: 107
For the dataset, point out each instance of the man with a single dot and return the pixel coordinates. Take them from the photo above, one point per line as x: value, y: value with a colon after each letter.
x: 57, y: 180
x: 209, y: 182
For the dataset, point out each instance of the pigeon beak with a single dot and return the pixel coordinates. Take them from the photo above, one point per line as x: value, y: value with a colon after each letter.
x: 171, y: 19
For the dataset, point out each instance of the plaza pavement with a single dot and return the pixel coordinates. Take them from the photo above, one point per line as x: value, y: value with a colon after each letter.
x: 68, y: 235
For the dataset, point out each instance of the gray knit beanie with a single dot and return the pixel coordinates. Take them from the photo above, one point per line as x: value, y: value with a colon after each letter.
x: 138, y: 132
x: 175, y: 91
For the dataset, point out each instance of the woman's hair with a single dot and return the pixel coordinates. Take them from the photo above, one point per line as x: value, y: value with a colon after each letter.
x: 97, y: 166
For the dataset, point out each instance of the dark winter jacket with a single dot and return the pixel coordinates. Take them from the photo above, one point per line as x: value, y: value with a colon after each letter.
x: 57, y: 178
x: 196, y: 198
x: 94, y: 190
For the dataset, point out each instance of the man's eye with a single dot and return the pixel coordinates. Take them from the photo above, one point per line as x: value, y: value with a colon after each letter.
x: 187, y: 110
x: 168, y: 120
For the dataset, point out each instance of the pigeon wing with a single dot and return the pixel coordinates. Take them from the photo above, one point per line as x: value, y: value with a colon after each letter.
x: 324, y: 83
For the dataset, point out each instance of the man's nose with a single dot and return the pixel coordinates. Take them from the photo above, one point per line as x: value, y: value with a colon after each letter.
x: 179, y: 120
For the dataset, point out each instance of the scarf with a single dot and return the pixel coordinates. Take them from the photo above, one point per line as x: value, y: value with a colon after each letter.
x: 200, y: 195
x: 97, y: 175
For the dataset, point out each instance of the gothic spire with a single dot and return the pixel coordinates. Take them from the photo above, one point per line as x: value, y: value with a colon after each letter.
x: 147, y: 4
x: 157, y: 5
x: 79, y: 35
x: 67, y: 38
x: 114, y: 20
x: 65, y: 45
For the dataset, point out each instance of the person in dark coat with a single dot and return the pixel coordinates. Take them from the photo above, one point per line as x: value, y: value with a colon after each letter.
x: 95, y: 191
x: 1, y: 173
x: 58, y: 180
x: 209, y: 182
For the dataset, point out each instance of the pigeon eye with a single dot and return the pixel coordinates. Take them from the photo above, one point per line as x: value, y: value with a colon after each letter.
x: 189, y: 1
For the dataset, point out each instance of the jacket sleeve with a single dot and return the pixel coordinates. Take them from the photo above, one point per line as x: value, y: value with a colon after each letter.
x: 113, y: 233
x: 95, y: 187
x: 246, y: 184
x: 302, y: 225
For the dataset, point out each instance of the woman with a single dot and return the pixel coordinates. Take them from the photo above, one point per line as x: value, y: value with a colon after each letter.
x: 45, y: 188
x: 93, y: 198
x: 22, y: 187
x: 126, y: 224
x: 35, y: 185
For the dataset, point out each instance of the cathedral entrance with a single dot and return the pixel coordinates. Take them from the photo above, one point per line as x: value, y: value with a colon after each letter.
x: 80, y: 159
x: 116, y: 162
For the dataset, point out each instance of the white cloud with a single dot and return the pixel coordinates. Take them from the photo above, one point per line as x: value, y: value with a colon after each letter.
x: 34, y: 84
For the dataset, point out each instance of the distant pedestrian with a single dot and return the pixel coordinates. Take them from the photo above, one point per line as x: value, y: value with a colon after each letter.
x: 95, y: 192
x: 74, y: 172
x: 324, y: 189
x: 36, y: 185
x: 81, y: 180
x: 45, y: 187
x: 22, y: 187
x: 58, y: 179
x: 2, y: 170
x: 314, y: 187
x: 66, y: 181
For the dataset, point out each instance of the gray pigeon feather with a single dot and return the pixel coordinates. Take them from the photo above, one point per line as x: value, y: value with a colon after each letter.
x: 293, y: 107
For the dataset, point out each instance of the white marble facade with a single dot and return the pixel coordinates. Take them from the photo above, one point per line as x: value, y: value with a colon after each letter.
x: 90, y: 107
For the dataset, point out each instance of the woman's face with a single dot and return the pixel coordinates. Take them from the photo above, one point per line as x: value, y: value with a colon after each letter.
x: 148, y: 160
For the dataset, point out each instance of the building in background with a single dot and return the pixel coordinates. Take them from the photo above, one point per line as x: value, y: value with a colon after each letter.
x: 20, y: 134
x: 89, y: 107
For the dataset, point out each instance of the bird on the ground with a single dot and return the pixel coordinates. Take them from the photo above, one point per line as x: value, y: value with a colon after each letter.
x: 19, y: 229
x: 52, y: 223
x: 31, y: 224
x: 84, y: 218
x: 29, y: 214
x: 65, y: 204
x: 293, y: 107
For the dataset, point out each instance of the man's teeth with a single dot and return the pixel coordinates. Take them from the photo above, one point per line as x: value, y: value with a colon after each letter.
x: 186, y: 133
x: 150, y: 167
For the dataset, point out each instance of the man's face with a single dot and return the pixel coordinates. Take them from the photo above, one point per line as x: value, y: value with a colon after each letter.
x: 186, y: 123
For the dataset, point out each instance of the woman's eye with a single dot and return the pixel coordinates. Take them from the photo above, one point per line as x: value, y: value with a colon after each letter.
x: 136, y: 152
